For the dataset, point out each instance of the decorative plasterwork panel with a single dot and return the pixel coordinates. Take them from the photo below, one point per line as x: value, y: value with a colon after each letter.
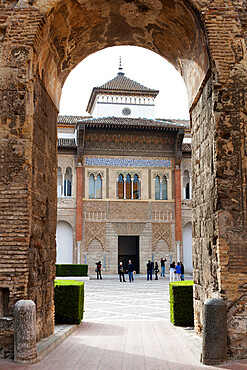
x: 131, y: 173
x: 161, y: 231
x: 161, y: 175
x: 95, y: 174
x: 128, y: 228
x: 126, y: 162
x: 121, y: 211
x: 94, y: 211
x: 95, y: 230
x: 107, y: 183
x: 163, y: 211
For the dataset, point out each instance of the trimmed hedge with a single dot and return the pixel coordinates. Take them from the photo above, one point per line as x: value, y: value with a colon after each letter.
x: 69, y: 301
x: 181, y: 303
x: 71, y: 270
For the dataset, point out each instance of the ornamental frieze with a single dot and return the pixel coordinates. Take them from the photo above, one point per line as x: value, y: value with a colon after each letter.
x: 129, y: 142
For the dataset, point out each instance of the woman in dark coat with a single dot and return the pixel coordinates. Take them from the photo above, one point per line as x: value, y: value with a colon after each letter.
x: 156, y: 270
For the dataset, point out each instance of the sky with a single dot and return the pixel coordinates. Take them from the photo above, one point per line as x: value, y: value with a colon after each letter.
x: 139, y: 64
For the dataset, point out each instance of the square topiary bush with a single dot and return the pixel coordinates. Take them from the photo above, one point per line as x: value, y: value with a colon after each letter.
x: 71, y: 270
x: 181, y: 303
x: 69, y: 301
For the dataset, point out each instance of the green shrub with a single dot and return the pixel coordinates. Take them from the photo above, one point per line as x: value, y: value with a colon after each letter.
x: 181, y: 303
x: 71, y: 270
x: 69, y: 301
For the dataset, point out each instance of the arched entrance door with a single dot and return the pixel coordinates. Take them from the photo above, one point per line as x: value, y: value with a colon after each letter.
x: 64, y: 237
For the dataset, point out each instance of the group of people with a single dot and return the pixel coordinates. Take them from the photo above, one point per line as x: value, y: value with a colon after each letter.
x: 130, y: 270
x: 175, y: 270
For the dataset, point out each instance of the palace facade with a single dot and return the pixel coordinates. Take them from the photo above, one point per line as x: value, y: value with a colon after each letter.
x: 124, y: 181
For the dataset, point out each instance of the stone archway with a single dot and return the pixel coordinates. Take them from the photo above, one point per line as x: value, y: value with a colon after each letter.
x: 41, y: 42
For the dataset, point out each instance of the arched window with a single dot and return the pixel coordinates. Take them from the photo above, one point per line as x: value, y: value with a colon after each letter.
x: 59, y: 182
x: 136, y: 187
x: 68, y: 183
x: 98, y: 187
x: 157, y: 187
x: 164, y: 188
x: 128, y: 187
x: 91, y: 186
x: 186, y: 182
x: 120, y: 190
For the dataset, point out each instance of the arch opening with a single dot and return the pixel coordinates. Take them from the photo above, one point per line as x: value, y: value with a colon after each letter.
x: 172, y: 29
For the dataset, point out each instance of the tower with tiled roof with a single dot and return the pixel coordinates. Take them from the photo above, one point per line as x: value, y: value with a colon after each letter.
x: 122, y: 97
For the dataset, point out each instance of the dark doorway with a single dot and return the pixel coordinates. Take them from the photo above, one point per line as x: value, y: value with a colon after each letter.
x: 128, y: 249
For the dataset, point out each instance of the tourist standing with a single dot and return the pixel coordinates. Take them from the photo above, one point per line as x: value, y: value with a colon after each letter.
x: 182, y: 271
x: 130, y: 269
x: 98, y: 269
x: 121, y: 272
x: 172, y: 271
x: 156, y: 270
x: 178, y: 271
x: 163, y: 267
x: 149, y: 270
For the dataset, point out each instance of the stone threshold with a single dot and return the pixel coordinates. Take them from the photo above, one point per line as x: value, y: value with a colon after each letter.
x: 46, y: 345
x: 192, y: 340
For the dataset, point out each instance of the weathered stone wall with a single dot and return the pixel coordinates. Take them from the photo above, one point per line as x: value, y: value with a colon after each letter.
x: 42, y: 247
x: 203, y: 204
x: 219, y: 230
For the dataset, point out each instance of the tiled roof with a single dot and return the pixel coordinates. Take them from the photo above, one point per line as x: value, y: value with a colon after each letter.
x: 121, y: 82
x: 69, y: 119
x: 178, y: 121
x: 186, y: 147
x: 66, y: 143
x: 130, y: 122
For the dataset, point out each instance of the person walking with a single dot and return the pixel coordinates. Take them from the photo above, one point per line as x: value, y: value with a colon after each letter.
x: 156, y: 270
x: 172, y: 271
x: 178, y: 271
x: 182, y: 271
x: 149, y: 270
x: 130, y: 269
x: 121, y: 272
x: 163, y: 267
x: 98, y: 269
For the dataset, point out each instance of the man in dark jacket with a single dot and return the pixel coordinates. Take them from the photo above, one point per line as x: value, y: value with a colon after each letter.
x: 130, y: 269
x: 163, y: 267
x: 149, y: 270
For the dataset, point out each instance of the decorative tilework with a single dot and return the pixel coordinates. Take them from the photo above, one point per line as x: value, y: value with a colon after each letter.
x: 125, y: 162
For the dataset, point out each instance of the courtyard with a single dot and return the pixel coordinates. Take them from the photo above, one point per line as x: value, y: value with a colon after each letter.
x: 125, y: 326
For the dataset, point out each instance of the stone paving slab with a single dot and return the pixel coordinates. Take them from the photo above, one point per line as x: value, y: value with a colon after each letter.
x: 126, y: 326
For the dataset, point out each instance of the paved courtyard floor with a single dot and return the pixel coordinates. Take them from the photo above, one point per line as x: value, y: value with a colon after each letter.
x: 126, y: 326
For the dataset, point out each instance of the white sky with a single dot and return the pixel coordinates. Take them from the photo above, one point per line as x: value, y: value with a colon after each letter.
x: 140, y: 65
